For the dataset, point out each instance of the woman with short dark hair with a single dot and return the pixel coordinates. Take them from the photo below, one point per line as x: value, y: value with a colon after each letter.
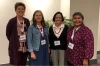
x: 16, y: 31
x: 57, y: 39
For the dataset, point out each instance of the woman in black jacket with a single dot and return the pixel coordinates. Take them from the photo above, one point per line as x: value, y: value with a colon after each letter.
x: 57, y: 39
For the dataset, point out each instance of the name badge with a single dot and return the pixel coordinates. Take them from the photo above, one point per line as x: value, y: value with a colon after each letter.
x: 43, y: 42
x: 23, y: 37
x: 57, y: 43
x: 71, y: 46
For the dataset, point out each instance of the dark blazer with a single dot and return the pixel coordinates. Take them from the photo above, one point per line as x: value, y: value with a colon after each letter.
x: 62, y: 38
x: 12, y: 36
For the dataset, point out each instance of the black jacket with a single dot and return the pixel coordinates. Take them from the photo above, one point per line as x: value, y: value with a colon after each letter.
x: 62, y: 39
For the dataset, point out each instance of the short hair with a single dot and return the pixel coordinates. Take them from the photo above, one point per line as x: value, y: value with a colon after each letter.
x: 42, y: 21
x: 78, y: 13
x: 19, y: 4
x: 56, y: 14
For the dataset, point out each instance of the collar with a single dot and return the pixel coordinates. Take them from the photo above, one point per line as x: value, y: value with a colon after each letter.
x: 61, y: 26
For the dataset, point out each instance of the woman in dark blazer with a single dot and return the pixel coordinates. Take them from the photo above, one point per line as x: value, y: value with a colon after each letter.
x: 57, y: 39
x: 16, y: 31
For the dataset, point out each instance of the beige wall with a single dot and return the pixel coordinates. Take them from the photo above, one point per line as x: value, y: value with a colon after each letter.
x: 98, y: 42
x: 65, y: 8
x: 90, y: 10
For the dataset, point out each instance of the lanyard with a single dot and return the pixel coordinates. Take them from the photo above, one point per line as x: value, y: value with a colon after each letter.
x: 22, y: 27
x: 74, y: 30
x: 41, y: 31
x: 72, y: 34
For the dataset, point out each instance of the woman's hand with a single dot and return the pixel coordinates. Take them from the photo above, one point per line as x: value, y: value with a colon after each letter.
x: 85, y: 62
x: 49, y: 50
x: 33, y: 56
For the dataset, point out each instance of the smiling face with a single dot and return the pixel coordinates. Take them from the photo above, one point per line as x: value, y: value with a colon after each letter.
x: 20, y: 10
x: 77, y: 20
x: 58, y: 19
x: 38, y: 17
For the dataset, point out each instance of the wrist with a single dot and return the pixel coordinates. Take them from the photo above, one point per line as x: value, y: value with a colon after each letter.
x: 32, y: 53
x: 85, y: 59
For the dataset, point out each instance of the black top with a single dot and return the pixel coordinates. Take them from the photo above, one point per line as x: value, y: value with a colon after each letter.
x: 62, y: 39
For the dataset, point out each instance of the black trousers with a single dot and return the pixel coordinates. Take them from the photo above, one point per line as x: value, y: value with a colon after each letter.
x: 69, y: 64
x: 22, y: 58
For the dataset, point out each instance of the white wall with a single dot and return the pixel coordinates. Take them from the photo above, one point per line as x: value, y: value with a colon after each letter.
x: 49, y: 7
x: 65, y: 8
x: 90, y: 10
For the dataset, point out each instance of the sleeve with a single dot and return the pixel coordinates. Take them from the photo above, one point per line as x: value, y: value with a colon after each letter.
x: 89, y: 44
x: 29, y: 39
x: 9, y: 29
x: 66, y: 27
x: 50, y: 37
x: 28, y: 23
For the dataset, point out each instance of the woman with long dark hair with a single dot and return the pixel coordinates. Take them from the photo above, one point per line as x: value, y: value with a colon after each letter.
x: 38, y: 41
